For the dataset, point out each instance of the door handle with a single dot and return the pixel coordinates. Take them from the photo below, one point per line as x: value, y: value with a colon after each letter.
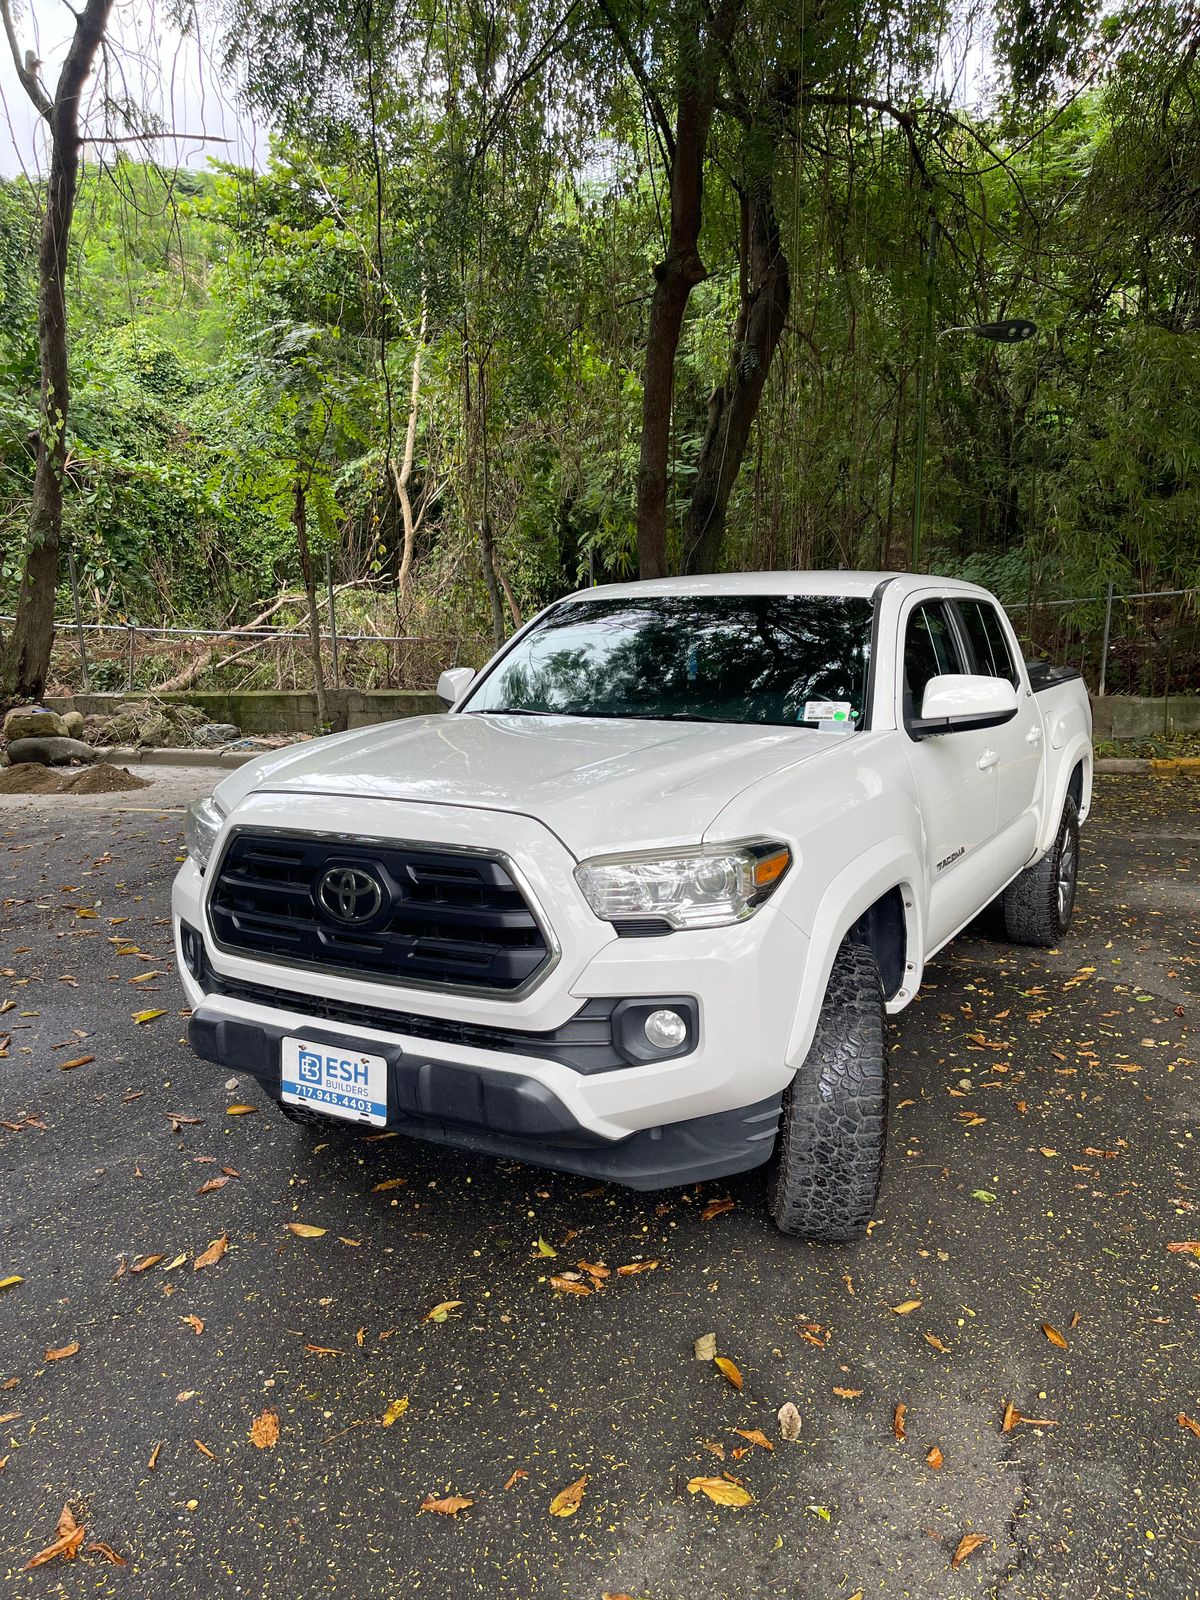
x: 1034, y: 736
x: 988, y: 759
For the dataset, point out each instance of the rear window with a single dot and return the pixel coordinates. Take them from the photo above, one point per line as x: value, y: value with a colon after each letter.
x: 985, y: 631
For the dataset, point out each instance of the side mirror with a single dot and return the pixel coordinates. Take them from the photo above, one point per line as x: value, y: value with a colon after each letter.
x: 955, y: 701
x: 453, y: 684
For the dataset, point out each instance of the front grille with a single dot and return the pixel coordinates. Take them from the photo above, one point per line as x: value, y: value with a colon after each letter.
x: 439, y: 917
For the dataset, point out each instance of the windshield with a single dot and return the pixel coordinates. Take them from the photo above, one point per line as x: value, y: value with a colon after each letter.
x: 782, y: 659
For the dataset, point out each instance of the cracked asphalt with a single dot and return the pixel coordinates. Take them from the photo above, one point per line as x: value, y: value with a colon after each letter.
x: 1042, y: 1155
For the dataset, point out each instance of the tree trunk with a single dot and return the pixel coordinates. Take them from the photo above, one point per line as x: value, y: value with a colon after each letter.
x: 300, y: 520
x: 674, y: 279
x: 766, y: 295
x: 402, y: 476
x: 27, y: 656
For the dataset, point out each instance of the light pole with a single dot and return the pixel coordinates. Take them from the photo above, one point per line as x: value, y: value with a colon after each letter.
x: 1012, y: 330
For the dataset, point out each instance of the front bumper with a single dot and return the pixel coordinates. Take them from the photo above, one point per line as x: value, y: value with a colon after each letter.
x: 505, y: 1113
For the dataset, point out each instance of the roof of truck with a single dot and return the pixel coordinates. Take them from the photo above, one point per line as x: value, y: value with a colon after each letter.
x: 863, y: 584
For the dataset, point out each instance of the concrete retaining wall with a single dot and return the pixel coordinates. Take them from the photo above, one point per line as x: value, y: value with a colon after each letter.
x: 1130, y: 716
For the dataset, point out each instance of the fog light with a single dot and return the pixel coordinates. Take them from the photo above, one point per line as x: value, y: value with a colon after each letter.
x: 665, y: 1030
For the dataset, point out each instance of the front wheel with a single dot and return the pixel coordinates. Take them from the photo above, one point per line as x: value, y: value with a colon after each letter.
x: 1038, y: 904
x: 829, y: 1157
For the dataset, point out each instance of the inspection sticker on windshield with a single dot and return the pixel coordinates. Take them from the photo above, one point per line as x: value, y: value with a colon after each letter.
x: 838, y: 711
x: 341, y: 1083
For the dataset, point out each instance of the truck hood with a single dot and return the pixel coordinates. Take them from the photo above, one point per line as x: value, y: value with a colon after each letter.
x: 599, y: 784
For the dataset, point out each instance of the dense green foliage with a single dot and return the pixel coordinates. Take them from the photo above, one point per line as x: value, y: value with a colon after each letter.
x: 495, y: 205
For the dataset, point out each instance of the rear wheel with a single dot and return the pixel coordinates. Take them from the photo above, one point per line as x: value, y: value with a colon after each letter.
x: 1038, y: 904
x: 829, y: 1157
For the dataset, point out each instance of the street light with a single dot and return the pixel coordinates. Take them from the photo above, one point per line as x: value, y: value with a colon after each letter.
x: 1012, y: 330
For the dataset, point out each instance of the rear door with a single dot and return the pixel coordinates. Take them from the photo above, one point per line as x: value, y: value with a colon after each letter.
x: 1017, y: 743
x: 954, y: 774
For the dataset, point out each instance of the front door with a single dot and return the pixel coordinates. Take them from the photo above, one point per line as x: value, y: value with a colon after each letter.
x: 955, y: 777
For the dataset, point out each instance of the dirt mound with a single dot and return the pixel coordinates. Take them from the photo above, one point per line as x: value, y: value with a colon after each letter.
x: 28, y: 777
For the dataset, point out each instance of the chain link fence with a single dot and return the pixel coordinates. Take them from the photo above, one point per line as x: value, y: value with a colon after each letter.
x: 1145, y: 644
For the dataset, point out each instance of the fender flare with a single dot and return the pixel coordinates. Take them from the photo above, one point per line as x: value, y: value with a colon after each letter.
x: 889, y: 865
x: 1076, y: 750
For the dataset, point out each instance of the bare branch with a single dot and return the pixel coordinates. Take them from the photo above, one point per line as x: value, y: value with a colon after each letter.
x: 28, y: 77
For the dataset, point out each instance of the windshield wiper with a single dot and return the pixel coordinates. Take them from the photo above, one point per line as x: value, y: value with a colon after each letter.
x: 513, y: 711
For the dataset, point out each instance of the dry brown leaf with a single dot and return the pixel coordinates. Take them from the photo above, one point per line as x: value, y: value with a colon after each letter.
x: 106, y: 1550
x: 715, y: 1208
x: 570, y: 1286
x: 755, y: 1436
x: 1055, y: 1337
x: 449, y: 1507
x: 323, y: 1350
x: 11, y: 1416
x: 967, y: 1545
x: 846, y: 1394
x: 389, y: 1183
x: 515, y: 1477
x: 3, y: 1462
x: 1185, y: 1247
x: 264, y: 1430
x: 932, y: 1338
x: 1190, y: 1423
x: 394, y: 1412
x: 144, y: 1263
x: 728, y: 1369
x: 1011, y: 1417
x: 195, y: 1323
x: 64, y: 1353
x: 898, y: 1416
x: 596, y: 1270
x: 934, y: 1459
x: 567, y: 1501
x: 789, y: 1421
x: 721, y: 1492
x: 706, y: 1347
x: 78, y: 1061
x: 907, y: 1306
x: 213, y: 1254
x: 636, y: 1266
x: 69, y: 1536
x: 204, y: 1450
x: 154, y: 1455
x: 441, y: 1311
x: 212, y: 1185
x: 306, y: 1230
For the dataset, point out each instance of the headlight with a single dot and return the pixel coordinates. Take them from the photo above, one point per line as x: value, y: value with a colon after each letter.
x: 702, y: 888
x: 200, y: 831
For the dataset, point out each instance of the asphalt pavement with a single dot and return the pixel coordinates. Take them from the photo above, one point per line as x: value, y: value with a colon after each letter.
x: 1042, y: 1158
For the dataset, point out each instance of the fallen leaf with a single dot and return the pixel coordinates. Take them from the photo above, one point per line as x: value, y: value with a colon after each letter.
x: 706, y: 1347
x: 394, y: 1412
x: 154, y: 1455
x: 721, y: 1491
x: 728, y: 1369
x: 567, y: 1501
x: 144, y: 1263
x: 985, y: 1195
x: 846, y: 1394
x: 203, y: 1449
x: 176, y: 1261
x: 967, y: 1545
x: 715, y: 1208
x: 441, y: 1311
x: 107, y: 1551
x: 10, y: 1416
x: 264, y: 1430
x: 212, y: 1185
x: 1011, y: 1417
x: 147, y: 1016
x: 449, y: 1507
x: 789, y: 1422
x: 3, y: 1462
x: 240, y: 1111
x: 637, y: 1266
x: 1190, y: 1423
x: 11, y: 1282
x: 907, y: 1306
x: 1054, y: 1337
x: 1180, y: 1247
x: 213, y: 1254
x: 596, y: 1270
x: 195, y: 1323
x: 513, y: 1477
x: 323, y: 1350
x: 570, y: 1286
x: 79, y: 1061
x: 306, y: 1230
x: 898, y: 1416
x: 755, y: 1436
x: 544, y: 1249
x: 821, y: 1511
x: 69, y: 1536
x: 64, y: 1353
x: 389, y: 1183
x: 932, y: 1338
x: 934, y: 1459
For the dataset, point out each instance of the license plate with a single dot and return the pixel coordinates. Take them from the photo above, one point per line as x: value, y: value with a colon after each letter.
x: 341, y: 1083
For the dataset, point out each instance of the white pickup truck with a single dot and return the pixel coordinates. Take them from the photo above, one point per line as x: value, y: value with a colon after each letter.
x: 636, y: 907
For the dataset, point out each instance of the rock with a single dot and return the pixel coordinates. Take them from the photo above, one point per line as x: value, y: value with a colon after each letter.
x: 33, y: 722
x: 51, y: 752
x: 73, y: 723
x: 211, y: 734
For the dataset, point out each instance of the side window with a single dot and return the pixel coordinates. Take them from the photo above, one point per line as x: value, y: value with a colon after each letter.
x: 929, y: 650
x: 993, y: 658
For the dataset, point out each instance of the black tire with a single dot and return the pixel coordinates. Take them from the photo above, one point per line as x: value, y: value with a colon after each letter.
x: 829, y: 1155
x: 1038, y: 904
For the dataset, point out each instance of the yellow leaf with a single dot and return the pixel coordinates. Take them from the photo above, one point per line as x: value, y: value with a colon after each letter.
x: 240, y: 1111
x: 755, y: 1436
x: 147, y: 1016
x: 305, y: 1230
x: 1054, y: 1337
x: 449, y: 1507
x: 969, y: 1543
x: 729, y: 1370
x: 721, y: 1492
x: 907, y: 1306
x: 394, y: 1412
x: 11, y: 1282
x: 441, y: 1311
x: 567, y: 1501
x: 544, y: 1249
x: 264, y: 1430
x: 176, y: 1261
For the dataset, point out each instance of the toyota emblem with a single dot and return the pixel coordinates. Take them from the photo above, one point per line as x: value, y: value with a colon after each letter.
x: 350, y: 894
